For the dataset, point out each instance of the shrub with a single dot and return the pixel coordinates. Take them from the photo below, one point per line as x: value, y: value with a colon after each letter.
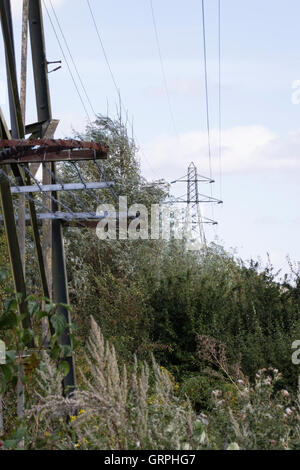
x: 113, y: 410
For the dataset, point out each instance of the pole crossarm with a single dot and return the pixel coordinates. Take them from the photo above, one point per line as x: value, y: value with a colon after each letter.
x: 200, y: 179
x: 50, y: 150
x: 81, y: 216
x: 70, y: 143
x: 63, y: 156
x: 60, y: 187
x: 65, y: 183
x: 206, y: 199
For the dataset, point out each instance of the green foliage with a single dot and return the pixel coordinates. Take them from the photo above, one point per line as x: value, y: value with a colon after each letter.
x: 198, y: 389
x: 24, y: 343
x: 104, y: 273
x: 121, y: 408
x: 117, y: 408
x: 154, y: 296
x: 14, y: 440
x: 255, y: 316
x: 257, y: 416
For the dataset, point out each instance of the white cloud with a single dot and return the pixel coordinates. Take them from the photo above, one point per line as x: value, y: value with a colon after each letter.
x: 244, y: 148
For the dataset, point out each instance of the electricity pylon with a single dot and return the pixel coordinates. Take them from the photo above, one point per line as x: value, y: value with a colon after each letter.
x: 194, y: 220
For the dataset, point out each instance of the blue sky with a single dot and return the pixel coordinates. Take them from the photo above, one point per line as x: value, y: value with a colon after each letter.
x: 261, y: 125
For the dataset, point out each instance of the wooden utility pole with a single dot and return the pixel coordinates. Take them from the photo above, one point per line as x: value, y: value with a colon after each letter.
x: 49, y: 250
x: 23, y: 86
x: 54, y: 245
x: 22, y: 200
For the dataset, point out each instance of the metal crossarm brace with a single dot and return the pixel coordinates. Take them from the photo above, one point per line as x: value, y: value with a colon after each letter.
x: 60, y: 187
x: 64, y: 156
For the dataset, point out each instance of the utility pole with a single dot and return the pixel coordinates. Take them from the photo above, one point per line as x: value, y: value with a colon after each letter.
x: 22, y: 199
x: 23, y: 84
x: 54, y: 245
x: 43, y: 127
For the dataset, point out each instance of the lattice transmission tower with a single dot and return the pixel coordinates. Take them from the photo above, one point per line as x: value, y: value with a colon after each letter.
x: 194, y: 220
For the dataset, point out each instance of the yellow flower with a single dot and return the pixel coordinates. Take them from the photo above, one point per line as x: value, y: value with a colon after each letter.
x: 73, y: 418
x: 81, y: 412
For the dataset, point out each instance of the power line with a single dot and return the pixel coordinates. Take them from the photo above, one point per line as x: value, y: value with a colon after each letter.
x: 114, y: 79
x: 163, y: 69
x: 102, y: 47
x: 72, y: 59
x: 206, y: 98
x: 220, y: 101
x: 206, y: 88
x: 65, y: 58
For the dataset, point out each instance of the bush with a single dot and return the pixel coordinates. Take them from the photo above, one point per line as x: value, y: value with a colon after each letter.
x: 198, y: 389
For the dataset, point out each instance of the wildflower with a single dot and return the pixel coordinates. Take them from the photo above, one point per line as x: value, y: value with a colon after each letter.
x: 216, y: 393
x: 81, y: 412
x: 73, y: 418
x: 245, y: 392
x: 267, y: 381
x: 284, y: 393
x: 220, y: 402
x: 202, y: 418
x: 170, y: 428
x: 288, y: 411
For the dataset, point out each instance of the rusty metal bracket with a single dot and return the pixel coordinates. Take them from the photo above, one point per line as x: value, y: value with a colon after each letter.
x: 40, y: 150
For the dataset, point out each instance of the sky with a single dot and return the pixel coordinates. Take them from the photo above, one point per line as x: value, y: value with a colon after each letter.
x: 257, y: 175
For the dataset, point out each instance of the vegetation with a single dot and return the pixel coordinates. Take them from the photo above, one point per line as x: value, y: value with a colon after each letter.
x: 216, y: 330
